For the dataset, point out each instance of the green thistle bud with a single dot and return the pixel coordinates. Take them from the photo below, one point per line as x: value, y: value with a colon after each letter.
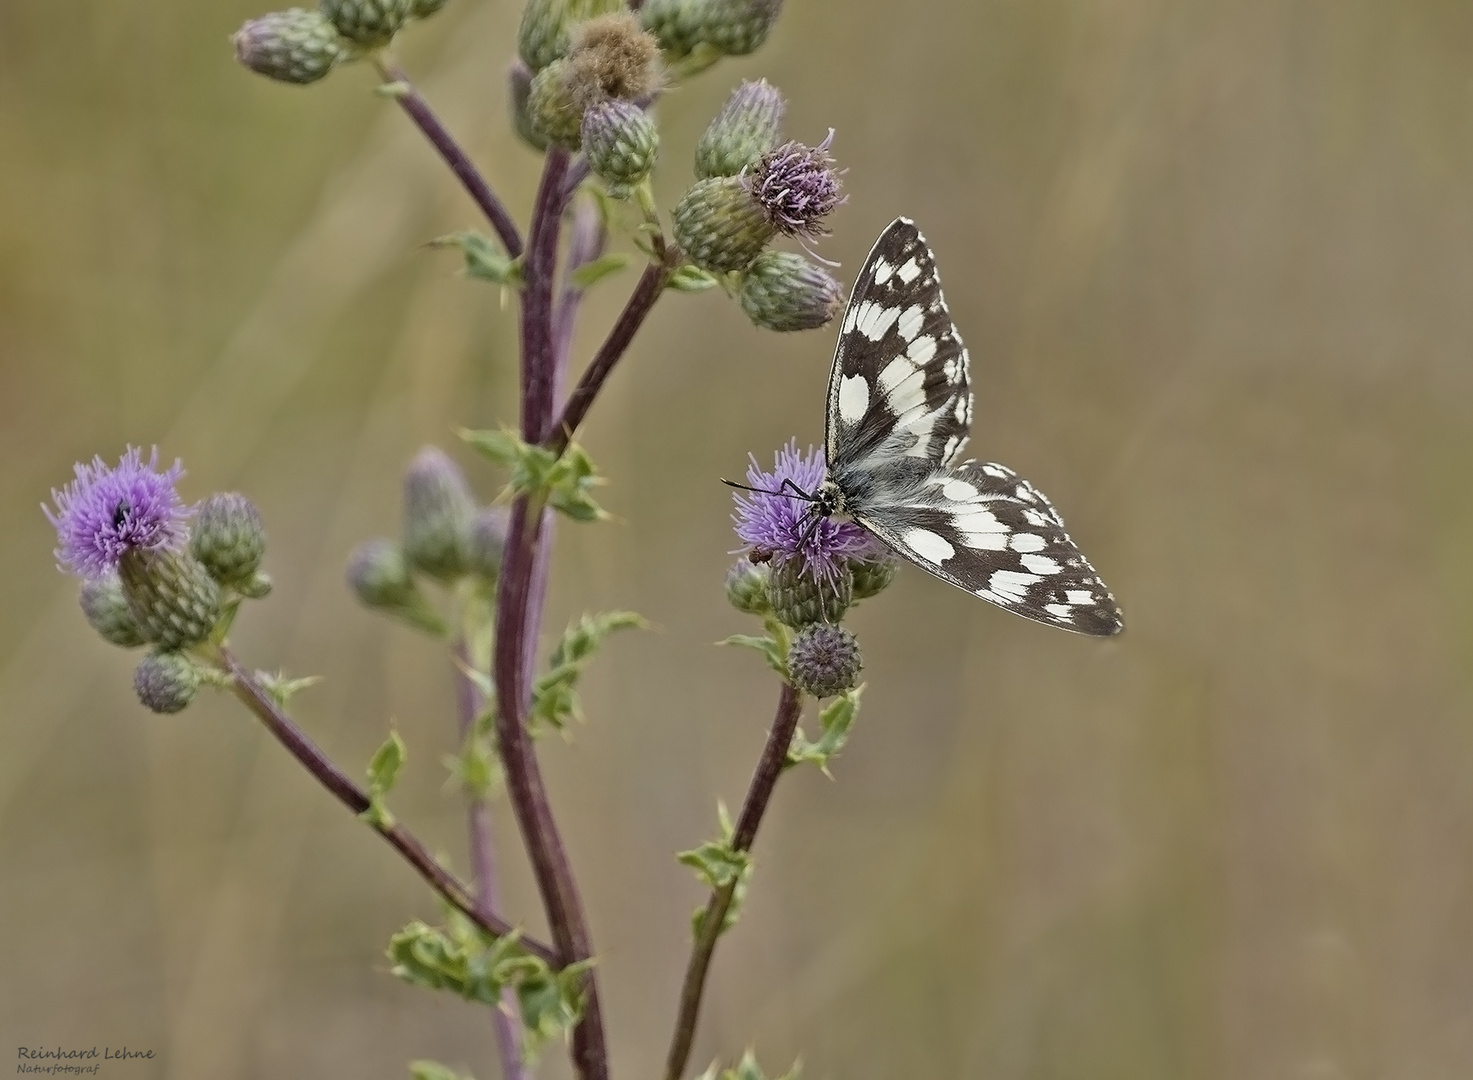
x: 378, y: 573
x: 872, y: 576
x: 620, y: 142
x: 746, y: 586
x: 719, y: 225
x: 108, y: 613
x: 825, y: 660
x: 543, y: 35
x: 228, y: 538
x: 748, y: 126
x: 166, y: 681
x: 173, y: 599
x: 676, y: 24
x: 784, y: 291
x: 519, y: 90
x: 488, y: 542
x: 739, y: 27
x: 370, y: 23
x: 555, y: 112
x: 292, y: 46
x: 423, y: 9
x: 438, y: 510
x: 799, y: 599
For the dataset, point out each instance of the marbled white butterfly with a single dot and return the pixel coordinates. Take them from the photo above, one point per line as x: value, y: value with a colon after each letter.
x: 899, y: 408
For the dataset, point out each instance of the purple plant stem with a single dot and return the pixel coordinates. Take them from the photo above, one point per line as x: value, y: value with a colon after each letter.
x: 540, y: 275
x: 483, y: 865
x: 759, y: 794
x: 641, y: 301
x: 418, y: 110
x: 516, y: 642
x: 254, y: 696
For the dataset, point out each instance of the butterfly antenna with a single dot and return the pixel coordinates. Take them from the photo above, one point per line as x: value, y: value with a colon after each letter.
x: 796, y: 493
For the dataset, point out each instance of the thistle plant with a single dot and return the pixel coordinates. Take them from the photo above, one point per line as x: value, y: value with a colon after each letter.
x: 169, y: 578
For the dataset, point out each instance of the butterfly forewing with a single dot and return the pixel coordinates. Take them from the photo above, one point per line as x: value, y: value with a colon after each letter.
x: 899, y: 408
x: 900, y: 385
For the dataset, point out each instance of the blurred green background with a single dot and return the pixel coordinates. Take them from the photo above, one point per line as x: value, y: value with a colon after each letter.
x: 1213, y: 263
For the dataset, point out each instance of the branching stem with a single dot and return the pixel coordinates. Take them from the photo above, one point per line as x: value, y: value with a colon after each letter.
x: 759, y: 794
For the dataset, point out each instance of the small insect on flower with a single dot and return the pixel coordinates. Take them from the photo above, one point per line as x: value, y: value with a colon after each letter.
x: 773, y: 517
x: 108, y: 511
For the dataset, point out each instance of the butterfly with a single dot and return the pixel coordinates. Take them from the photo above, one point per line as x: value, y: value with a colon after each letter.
x: 899, y: 410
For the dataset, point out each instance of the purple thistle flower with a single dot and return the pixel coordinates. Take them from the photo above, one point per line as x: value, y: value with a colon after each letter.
x: 106, y: 512
x: 796, y: 186
x: 778, y: 523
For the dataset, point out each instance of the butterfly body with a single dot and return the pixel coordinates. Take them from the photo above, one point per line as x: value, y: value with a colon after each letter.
x: 899, y: 411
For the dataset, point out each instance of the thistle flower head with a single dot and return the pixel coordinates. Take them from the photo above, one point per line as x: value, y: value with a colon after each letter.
x: 109, y: 511
x: 825, y: 660
x: 797, y: 186
x: 780, y: 523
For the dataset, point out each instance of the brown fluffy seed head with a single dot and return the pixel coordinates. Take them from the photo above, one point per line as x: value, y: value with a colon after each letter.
x: 784, y: 291
x: 613, y: 57
x: 825, y: 660
x: 719, y: 226
x: 166, y: 682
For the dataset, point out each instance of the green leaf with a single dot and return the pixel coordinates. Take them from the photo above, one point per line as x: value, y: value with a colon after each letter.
x: 591, y: 273
x: 462, y: 960
x: 555, y: 697
x: 383, y: 771
x: 771, y: 649
x: 834, y: 722
x: 281, y: 689
x: 691, y: 279
x: 483, y: 258
x: 551, y: 1003
x: 433, y: 1070
x: 566, y: 482
x: 716, y: 863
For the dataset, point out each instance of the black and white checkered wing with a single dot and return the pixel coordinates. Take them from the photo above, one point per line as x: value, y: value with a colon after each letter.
x: 899, y: 385
x: 982, y: 528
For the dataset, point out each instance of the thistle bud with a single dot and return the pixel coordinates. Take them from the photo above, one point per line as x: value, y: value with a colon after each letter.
x: 370, y: 23
x: 747, y: 127
x: 108, y: 613
x: 800, y: 598
x: 379, y: 576
x: 488, y: 542
x: 746, y: 586
x: 553, y: 110
x: 166, y: 681
x: 438, y: 510
x: 519, y: 89
x: 676, y: 24
x: 739, y: 27
x: 228, y: 538
x: 797, y: 186
x: 872, y: 576
x: 173, y: 599
x: 825, y: 660
x: 423, y: 9
x: 784, y: 291
x: 719, y: 225
x: 292, y: 46
x: 620, y: 142
x: 543, y: 35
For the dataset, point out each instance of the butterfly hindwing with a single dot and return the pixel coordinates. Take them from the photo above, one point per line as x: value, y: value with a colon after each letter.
x: 982, y: 528
x: 900, y: 384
